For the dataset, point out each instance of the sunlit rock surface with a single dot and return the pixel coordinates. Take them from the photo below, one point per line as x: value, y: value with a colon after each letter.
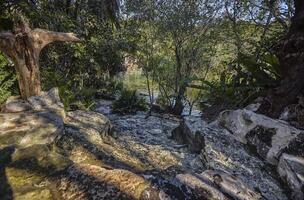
x: 40, y: 122
x: 14, y: 104
x: 49, y: 101
x: 145, y: 143
x: 222, y: 152
x: 269, y: 136
x: 207, y: 190
x: 101, y: 183
x: 29, y: 128
x: 46, y: 153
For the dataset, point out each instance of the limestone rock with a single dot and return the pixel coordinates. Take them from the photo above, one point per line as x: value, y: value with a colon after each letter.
x: 24, y: 173
x: 48, y: 101
x: 219, y: 185
x: 14, y: 104
x: 230, y: 185
x: 222, y: 152
x: 205, y: 190
x: 101, y: 183
x: 42, y: 157
x: 26, y: 129
x: 260, y: 139
x: 296, y: 146
x: 186, y: 134
x: 144, y: 143
x: 269, y: 136
x: 291, y: 170
x: 89, y: 122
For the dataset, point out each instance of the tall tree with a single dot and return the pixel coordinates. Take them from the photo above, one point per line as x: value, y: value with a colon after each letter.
x: 292, y: 61
x: 23, y: 46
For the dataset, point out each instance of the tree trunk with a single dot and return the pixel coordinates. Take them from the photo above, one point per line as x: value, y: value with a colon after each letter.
x: 28, y: 76
x: 23, y: 46
x: 292, y: 61
x: 179, y: 85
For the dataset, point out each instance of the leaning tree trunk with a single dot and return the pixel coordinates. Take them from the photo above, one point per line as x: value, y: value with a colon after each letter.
x: 23, y: 46
x: 291, y: 58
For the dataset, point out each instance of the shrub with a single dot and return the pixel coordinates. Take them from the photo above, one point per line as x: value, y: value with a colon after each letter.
x: 80, y: 100
x: 8, y: 82
x: 128, y: 103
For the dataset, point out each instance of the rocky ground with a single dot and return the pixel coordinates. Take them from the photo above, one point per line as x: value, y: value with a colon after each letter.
x: 46, y: 153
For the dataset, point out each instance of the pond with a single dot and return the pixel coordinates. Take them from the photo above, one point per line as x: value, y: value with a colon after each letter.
x: 135, y: 80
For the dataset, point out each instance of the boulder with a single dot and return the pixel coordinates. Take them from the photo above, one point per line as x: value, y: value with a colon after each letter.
x: 269, y: 136
x: 186, y: 133
x: 88, y: 122
x: 14, y: 104
x: 49, y: 101
x: 219, y: 185
x: 222, y: 152
x: 291, y: 170
x: 260, y: 139
x: 87, y: 137
x: 28, y: 128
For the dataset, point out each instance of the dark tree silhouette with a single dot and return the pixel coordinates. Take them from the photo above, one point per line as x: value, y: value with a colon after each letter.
x: 291, y: 57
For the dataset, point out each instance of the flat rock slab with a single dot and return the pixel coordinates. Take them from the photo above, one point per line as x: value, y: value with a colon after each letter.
x: 100, y: 183
x: 29, y: 173
x: 29, y: 128
x: 145, y: 143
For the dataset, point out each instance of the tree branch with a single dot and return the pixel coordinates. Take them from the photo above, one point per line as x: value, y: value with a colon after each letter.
x: 272, y: 5
x: 7, y: 40
x: 44, y: 37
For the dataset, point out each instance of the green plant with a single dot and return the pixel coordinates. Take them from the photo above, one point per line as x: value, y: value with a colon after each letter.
x: 128, y: 102
x: 80, y: 99
x: 8, y: 85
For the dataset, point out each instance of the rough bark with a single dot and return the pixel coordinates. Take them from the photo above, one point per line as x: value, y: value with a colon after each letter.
x: 23, y: 46
x: 292, y: 61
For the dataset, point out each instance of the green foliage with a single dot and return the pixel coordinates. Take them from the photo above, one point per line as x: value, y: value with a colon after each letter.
x: 228, y: 93
x: 226, y: 48
x: 245, y: 82
x: 81, y: 99
x: 7, y: 80
x: 129, y: 102
x: 74, y: 67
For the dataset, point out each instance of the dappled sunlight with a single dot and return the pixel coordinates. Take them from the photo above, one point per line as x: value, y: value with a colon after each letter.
x: 125, y: 181
x: 151, y: 100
